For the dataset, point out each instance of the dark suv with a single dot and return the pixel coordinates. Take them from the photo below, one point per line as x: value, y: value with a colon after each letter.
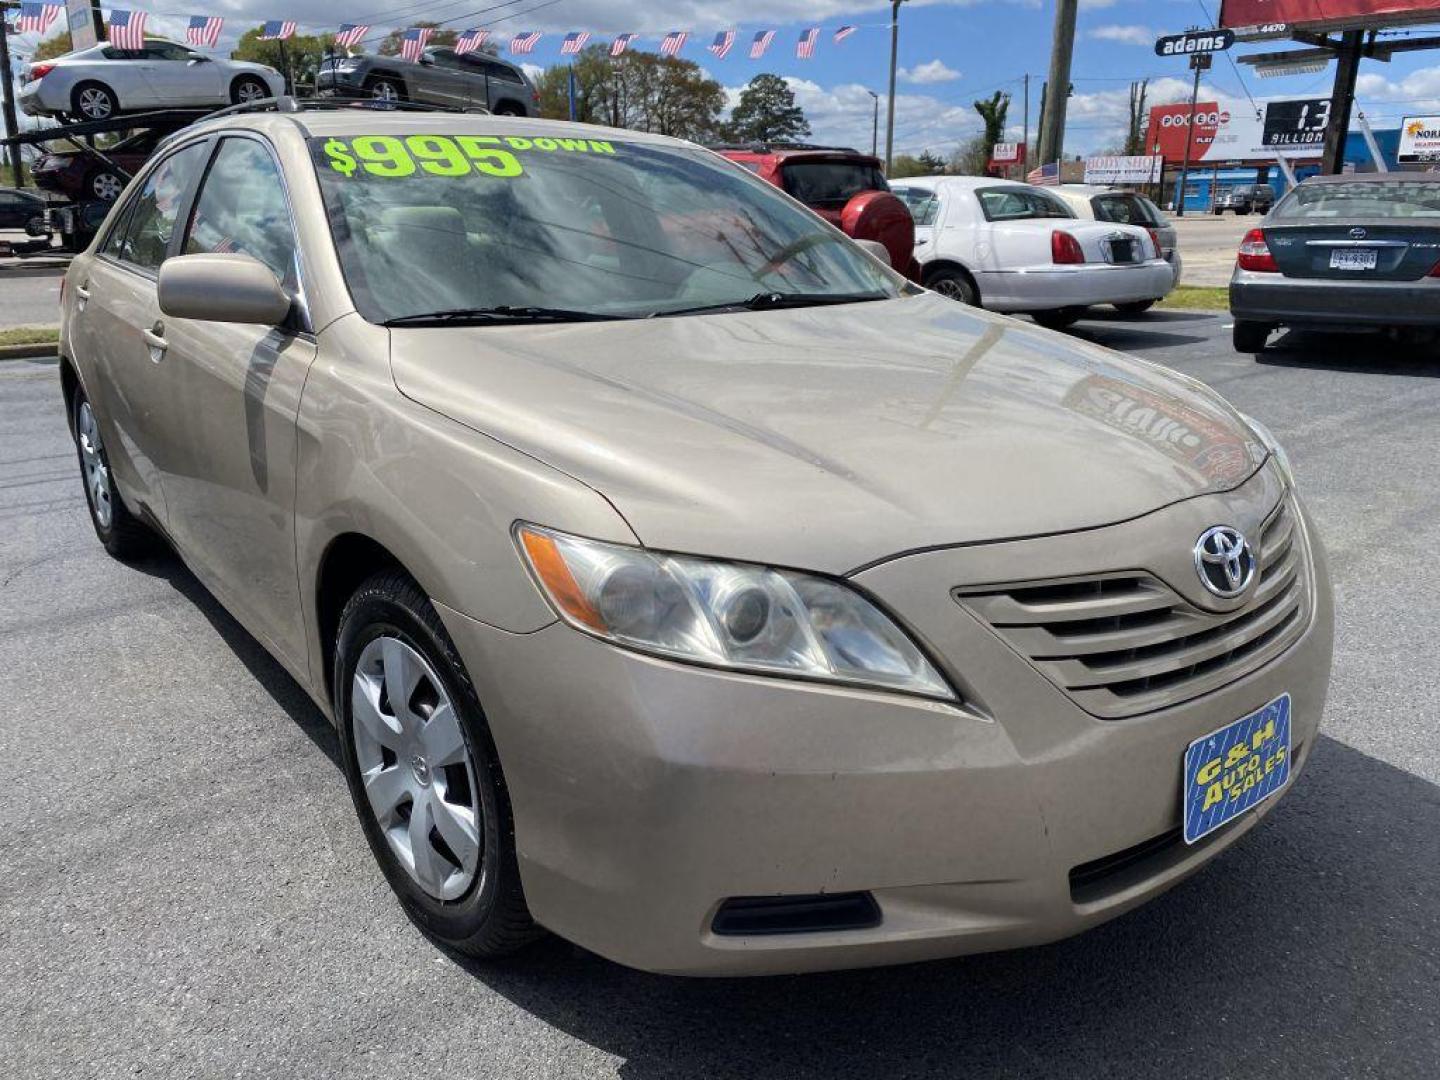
x: 442, y: 77
x: 1245, y: 199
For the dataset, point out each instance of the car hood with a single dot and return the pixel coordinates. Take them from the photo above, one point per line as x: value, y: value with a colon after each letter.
x: 832, y: 437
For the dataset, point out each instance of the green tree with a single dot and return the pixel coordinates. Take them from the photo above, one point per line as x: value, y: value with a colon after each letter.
x: 993, y: 111
x: 643, y: 91
x: 926, y: 164
x: 51, y: 47
x: 303, y: 52
x: 932, y: 163
x: 971, y: 158
x: 1135, y: 133
x: 767, y: 113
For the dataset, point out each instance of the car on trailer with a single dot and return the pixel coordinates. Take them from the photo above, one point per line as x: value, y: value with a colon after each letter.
x: 1017, y: 248
x: 1355, y: 252
x: 80, y: 174
x: 441, y: 76
x: 103, y: 81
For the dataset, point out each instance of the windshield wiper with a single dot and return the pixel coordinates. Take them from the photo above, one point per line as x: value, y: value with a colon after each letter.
x: 501, y: 314
x: 771, y: 301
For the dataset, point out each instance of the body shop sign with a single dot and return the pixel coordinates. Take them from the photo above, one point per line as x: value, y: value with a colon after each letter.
x: 1419, y: 140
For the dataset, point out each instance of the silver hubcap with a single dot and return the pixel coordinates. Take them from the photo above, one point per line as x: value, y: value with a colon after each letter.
x: 416, y: 767
x: 95, y: 103
x: 106, y: 186
x: 250, y: 91
x: 384, y: 92
x: 92, y: 459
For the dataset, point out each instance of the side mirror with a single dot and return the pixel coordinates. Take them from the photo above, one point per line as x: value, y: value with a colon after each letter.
x: 875, y: 249
x: 198, y: 59
x: 222, y: 288
x: 426, y: 59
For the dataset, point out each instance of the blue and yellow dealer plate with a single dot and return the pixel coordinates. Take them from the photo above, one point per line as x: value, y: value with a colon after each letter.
x: 1241, y: 765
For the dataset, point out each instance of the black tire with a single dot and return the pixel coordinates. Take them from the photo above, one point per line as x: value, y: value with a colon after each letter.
x: 508, y: 108
x: 1250, y: 337
x: 92, y: 100
x: 1059, y: 318
x: 490, y: 918
x: 104, y: 184
x: 248, y: 88
x: 955, y: 284
x: 124, y: 536
x: 1135, y: 307
x: 385, y: 89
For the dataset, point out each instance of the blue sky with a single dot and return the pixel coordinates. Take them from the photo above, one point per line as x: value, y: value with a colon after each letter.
x: 950, y: 54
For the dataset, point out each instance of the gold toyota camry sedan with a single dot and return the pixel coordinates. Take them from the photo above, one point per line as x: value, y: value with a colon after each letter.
x: 677, y: 577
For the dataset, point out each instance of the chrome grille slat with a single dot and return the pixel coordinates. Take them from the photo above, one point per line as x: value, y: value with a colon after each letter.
x: 1126, y: 643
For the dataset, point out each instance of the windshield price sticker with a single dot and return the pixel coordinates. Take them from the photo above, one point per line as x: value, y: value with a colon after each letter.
x: 444, y: 155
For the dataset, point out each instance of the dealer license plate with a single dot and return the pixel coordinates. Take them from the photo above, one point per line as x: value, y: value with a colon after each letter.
x: 1241, y: 765
x: 1353, y: 259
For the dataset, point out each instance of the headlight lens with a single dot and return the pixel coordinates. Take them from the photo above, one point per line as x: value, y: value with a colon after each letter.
x: 732, y: 615
x: 1268, y: 440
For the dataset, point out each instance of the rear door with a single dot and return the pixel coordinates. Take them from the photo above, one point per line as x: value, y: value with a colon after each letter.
x: 235, y: 392
x: 115, y: 323
x: 179, y: 76
x: 924, y: 204
x: 1357, y: 230
x: 443, y: 78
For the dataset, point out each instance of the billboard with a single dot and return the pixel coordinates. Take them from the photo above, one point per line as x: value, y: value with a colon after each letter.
x: 1297, y: 123
x: 1169, y: 124
x: 1112, y: 169
x: 1419, y: 140
x: 1007, y: 153
x: 1238, y: 14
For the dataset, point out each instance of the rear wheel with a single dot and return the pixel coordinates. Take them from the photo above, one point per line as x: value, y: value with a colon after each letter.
x: 105, y: 185
x: 248, y: 88
x: 423, y: 772
x: 1250, y: 337
x: 1135, y: 307
x: 93, y: 101
x: 508, y: 108
x: 387, y: 90
x: 1059, y: 318
x: 118, y: 530
x: 956, y: 284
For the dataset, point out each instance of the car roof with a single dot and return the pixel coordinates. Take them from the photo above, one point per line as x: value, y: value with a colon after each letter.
x: 1375, y: 178
x: 966, y: 182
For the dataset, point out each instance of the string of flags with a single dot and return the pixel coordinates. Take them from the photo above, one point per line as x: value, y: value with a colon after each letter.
x: 126, y: 30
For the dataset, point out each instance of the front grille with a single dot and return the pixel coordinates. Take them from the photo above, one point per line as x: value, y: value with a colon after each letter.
x: 749, y: 916
x: 1126, y: 643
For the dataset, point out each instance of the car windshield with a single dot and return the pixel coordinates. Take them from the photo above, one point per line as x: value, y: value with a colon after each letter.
x: 830, y: 184
x: 1368, y: 199
x: 448, y: 223
x: 1017, y: 203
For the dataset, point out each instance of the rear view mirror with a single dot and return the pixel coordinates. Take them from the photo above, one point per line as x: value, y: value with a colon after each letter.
x: 876, y: 249
x: 222, y: 288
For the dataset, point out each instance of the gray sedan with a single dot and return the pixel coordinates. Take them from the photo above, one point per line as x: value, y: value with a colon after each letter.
x: 1343, y: 253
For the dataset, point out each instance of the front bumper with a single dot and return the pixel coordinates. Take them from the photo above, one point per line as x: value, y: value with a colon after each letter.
x: 1335, y: 304
x: 646, y: 792
x: 1047, y: 287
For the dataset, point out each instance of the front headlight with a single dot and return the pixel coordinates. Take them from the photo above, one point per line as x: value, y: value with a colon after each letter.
x: 1268, y: 440
x: 731, y: 615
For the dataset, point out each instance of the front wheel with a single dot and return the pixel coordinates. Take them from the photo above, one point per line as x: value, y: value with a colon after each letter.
x: 386, y: 90
x: 1059, y: 318
x: 248, y: 88
x: 423, y: 772
x: 1250, y: 337
x: 93, y: 101
x: 121, y: 533
x: 1135, y: 307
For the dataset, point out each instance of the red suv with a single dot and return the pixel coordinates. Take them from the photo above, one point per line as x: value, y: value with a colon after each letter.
x: 845, y: 187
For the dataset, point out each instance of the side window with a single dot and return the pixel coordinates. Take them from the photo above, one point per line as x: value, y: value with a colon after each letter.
x: 501, y: 72
x: 922, y: 203
x: 242, y: 208
x: 446, y: 58
x: 165, y: 50
x: 151, y: 223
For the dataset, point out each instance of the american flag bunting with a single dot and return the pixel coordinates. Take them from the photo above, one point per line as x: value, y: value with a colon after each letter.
x: 521, y: 44
x: 413, y: 43
x: 350, y: 35
x: 842, y: 33
x: 574, y: 42
x: 277, y: 30
x: 621, y: 43
x: 126, y: 29
x: 470, y: 41
x: 204, y: 30
x: 722, y: 43
x: 673, y: 43
x: 760, y: 43
x: 805, y: 47
x: 36, y: 18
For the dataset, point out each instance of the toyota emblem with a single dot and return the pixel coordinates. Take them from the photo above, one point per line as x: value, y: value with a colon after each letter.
x: 1224, y: 561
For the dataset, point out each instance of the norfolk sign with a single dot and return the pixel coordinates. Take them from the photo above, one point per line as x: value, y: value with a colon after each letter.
x: 1196, y: 41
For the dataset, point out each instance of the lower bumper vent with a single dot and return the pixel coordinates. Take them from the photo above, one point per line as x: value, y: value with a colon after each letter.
x: 747, y: 916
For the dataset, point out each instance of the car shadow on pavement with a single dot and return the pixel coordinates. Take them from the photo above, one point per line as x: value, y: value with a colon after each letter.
x: 1368, y: 354
x: 1310, y: 948
x: 1133, y: 333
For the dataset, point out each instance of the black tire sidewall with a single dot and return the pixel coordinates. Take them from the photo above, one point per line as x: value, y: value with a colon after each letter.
x: 971, y: 297
x: 374, y: 613
x: 105, y: 533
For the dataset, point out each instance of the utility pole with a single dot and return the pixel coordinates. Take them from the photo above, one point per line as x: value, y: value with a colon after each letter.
x: 890, y: 102
x: 875, y: 125
x: 1025, y: 137
x: 7, y: 80
x: 1052, y: 121
x: 1200, y: 62
x: 1342, y: 99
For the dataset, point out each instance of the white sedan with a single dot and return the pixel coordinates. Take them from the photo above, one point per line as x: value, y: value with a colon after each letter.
x: 99, y: 82
x: 1016, y: 247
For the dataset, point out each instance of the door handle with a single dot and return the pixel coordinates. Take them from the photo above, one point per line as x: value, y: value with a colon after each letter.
x: 82, y: 294
x: 157, y: 344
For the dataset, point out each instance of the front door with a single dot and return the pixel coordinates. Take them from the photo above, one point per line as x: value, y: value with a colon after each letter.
x: 235, y: 397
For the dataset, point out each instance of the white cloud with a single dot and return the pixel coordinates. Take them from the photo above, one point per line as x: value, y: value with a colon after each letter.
x: 1386, y: 102
x: 1128, y: 35
x: 933, y: 71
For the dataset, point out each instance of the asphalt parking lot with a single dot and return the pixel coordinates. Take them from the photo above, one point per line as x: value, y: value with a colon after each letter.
x: 184, y: 890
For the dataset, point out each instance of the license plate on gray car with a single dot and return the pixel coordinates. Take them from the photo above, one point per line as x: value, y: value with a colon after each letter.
x: 1353, y: 259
